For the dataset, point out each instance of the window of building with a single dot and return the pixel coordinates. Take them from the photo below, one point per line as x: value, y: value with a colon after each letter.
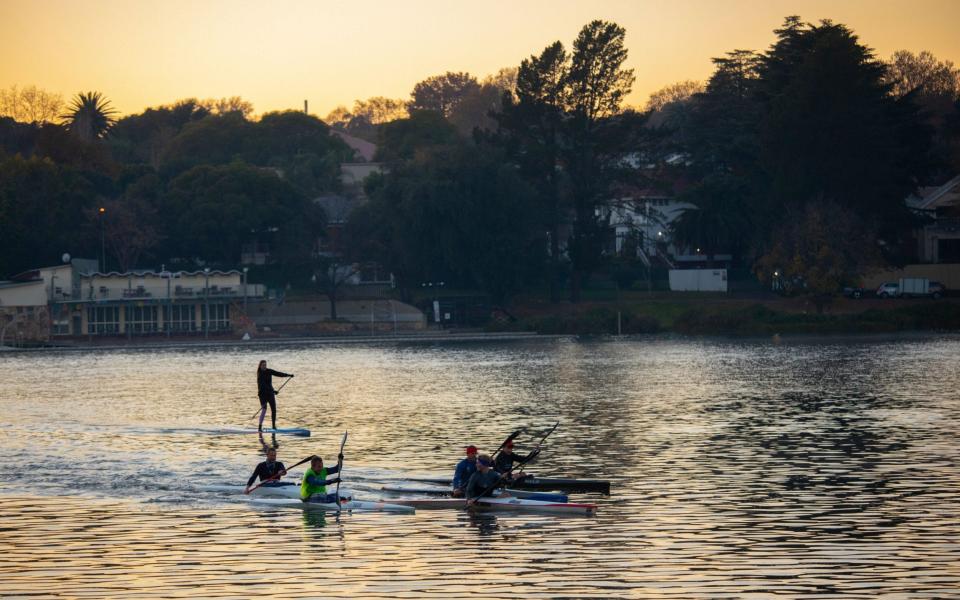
x: 180, y: 317
x: 141, y: 319
x: 103, y: 319
x: 219, y: 317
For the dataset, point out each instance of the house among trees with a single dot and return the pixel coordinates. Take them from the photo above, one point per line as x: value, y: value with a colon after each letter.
x: 939, y: 240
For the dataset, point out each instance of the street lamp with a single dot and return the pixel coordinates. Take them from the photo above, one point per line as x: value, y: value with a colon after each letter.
x: 103, y: 252
x: 206, y: 295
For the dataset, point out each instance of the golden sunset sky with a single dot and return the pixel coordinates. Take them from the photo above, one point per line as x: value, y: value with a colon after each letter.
x: 142, y: 53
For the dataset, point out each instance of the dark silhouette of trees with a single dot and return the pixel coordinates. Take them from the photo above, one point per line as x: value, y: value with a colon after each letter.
x: 442, y: 93
x: 30, y: 104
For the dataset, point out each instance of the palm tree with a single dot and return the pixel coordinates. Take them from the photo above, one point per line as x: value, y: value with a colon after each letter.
x: 90, y: 116
x: 720, y: 219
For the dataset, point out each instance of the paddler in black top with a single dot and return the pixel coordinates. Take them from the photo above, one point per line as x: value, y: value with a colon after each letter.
x: 266, y: 392
x: 268, y: 469
x: 484, y: 481
x: 506, y: 459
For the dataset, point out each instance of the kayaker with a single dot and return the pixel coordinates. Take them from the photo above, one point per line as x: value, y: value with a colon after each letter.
x: 465, y: 469
x: 506, y: 459
x: 268, y: 469
x: 313, y: 488
x: 267, y: 394
x: 484, y: 481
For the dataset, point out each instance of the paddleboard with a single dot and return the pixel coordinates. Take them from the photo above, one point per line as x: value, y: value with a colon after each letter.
x: 280, y: 431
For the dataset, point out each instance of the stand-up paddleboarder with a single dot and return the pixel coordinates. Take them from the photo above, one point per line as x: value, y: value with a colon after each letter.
x: 267, y: 394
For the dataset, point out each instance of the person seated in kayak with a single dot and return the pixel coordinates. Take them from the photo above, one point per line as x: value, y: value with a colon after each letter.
x: 269, y: 470
x: 506, y: 459
x: 313, y: 488
x: 485, y: 481
x: 465, y: 468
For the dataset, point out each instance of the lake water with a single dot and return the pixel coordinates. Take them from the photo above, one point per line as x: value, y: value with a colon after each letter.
x: 738, y: 469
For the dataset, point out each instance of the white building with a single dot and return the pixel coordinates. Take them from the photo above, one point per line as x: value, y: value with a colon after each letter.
x: 74, y: 299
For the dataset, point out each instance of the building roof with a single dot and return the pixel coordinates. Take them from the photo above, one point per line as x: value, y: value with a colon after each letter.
x: 931, y: 198
x: 362, y: 148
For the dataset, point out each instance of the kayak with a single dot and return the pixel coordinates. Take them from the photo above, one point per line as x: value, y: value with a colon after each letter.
x: 513, y: 504
x: 439, y: 491
x: 349, y: 505
x: 284, y: 490
x: 282, y: 431
x: 541, y: 483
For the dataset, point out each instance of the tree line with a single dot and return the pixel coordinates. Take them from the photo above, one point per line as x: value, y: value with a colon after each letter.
x: 795, y: 160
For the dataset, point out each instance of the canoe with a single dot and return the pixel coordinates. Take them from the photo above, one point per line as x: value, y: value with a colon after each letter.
x: 494, y: 504
x: 441, y: 491
x: 349, y: 505
x: 281, y: 431
x: 541, y: 483
x: 284, y: 490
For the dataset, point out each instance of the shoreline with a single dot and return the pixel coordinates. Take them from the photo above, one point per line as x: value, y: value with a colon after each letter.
x: 483, y: 337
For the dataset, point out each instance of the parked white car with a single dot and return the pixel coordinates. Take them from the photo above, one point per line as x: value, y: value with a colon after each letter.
x: 888, y: 290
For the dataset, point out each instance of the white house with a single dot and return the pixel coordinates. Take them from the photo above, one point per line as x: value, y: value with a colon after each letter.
x: 939, y: 241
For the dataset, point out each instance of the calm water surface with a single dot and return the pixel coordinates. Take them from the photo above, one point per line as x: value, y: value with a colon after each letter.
x: 739, y: 469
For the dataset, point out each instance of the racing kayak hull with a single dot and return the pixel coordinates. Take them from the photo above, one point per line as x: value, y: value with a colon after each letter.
x: 350, y: 505
x: 502, y: 504
x: 541, y: 483
x: 439, y: 491
x: 284, y: 490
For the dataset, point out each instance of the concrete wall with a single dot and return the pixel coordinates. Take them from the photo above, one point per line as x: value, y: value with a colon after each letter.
x: 33, y: 293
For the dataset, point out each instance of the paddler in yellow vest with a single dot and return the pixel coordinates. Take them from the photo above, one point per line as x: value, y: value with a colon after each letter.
x: 313, y: 488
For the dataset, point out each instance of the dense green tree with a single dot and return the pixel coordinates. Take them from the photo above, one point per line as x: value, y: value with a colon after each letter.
x: 400, y: 140
x: 818, y: 249
x: 718, y: 220
x: 209, y: 212
x: 456, y: 214
x: 143, y: 138
x: 830, y: 129
x: 42, y: 213
x: 442, y: 93
x: 531, y: 123
x: 213, y: 140
x: 596, y: 84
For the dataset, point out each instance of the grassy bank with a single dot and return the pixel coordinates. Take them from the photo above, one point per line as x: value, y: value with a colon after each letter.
x: 724, y: 315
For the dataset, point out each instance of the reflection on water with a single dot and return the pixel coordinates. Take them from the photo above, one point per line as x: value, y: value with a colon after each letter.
x: 737, y: 467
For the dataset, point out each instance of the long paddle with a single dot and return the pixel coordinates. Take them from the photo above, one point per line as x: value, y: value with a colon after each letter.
x: 496, y: 483
x: 276, y: 391
x: 543, y: 439
x: 343, y: 442
x: 277, y: 476
x: 510, y: 438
